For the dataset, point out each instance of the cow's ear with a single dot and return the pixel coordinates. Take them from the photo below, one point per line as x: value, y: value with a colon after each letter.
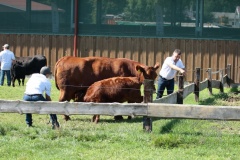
x: 157, y: 65
x: 139, y: 68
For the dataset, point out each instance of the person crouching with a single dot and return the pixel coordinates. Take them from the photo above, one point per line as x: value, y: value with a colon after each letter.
x: 35, y: 88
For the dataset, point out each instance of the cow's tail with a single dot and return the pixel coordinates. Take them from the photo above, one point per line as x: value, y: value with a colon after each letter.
x: 55, y: 71
x: 58, y: 66
x: 55, y: 76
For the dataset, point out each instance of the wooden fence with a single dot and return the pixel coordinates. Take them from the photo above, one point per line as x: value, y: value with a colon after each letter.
x: 197, y: 53
x: 159, y: 108
x: 197, y: 86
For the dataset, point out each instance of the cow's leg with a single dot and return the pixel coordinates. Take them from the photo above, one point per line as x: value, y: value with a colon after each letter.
x: 97, y: 119
x: 67, y: 97
x: 138, y: 99
x: 66, y: 94
x: 129, y: 117
x: 13, y: 82
x: 93, y: 118
x: 23, y: 81
x: 66, y: 117
x: 62, y: 98
x: 19, y: 81
x: 117, y: 118
x: 78, y: 98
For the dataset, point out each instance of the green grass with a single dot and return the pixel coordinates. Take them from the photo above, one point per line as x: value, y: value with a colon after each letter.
x: 80, y: 139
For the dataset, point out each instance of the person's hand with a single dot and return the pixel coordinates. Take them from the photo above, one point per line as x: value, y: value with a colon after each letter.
x: 183, y: 72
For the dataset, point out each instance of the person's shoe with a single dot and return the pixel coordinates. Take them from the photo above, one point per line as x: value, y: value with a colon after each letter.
x: 56, y: 126
x: 29, y: 125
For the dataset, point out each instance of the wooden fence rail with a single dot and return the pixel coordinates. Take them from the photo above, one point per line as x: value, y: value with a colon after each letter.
x: 161, y: 110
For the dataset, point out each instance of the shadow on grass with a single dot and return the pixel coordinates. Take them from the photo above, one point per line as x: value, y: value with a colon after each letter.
x: 235, y: 90
x: 125, y: 120
x: 167, y: 128
x: 212, y: 100
x: 109, y: 119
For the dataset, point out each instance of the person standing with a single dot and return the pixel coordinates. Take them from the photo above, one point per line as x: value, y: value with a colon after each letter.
x: 6, y: 59
x: 167, y: 73
x: 37, y: 84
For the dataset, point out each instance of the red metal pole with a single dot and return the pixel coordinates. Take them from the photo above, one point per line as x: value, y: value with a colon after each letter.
x: 75, y: 28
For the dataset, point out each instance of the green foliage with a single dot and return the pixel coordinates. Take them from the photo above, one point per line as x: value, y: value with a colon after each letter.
x: 222, y: 5
x: 168, y: 141
x: 145, y: 10
x: 113, y: 7
x: 135, y: 10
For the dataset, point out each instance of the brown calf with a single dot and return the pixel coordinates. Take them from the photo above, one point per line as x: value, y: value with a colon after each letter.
x: 118, y: 89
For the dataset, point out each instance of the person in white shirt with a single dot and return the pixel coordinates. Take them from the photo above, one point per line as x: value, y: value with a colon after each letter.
x: 167, y: 73
x: 6, y: 59
x: 35, y: 88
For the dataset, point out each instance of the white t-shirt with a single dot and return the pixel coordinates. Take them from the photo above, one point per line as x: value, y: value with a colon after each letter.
x: 6, y: 57
x: 38, y: 84
x: 166, y: 71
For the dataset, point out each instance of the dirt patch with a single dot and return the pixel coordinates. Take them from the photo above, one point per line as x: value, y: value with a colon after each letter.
x: 235, y: 97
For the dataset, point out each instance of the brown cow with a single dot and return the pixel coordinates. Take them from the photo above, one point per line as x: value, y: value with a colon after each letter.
x: 119, y: 89
x: 73, y: 75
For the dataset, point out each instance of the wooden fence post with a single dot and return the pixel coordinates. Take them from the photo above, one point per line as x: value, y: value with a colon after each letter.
x: 210, y: 80
x: 148, y: 97
x: 221, y: 81
x: 229, y: 78
x: 197, y: 84
x: 180, y: 89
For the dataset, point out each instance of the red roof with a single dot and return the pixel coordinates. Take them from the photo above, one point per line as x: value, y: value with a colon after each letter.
x: 21, y: 5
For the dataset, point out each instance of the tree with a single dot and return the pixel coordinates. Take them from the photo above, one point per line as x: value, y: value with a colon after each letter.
x: 140, y: 10
x: 222, y: 5
x: 113, y: 7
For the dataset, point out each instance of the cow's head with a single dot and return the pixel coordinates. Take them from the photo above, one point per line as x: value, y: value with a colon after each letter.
x: 146, y: 72
x: 17, y: 66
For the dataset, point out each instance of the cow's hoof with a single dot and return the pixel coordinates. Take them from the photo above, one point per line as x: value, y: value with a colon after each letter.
x: 96, y: 121
x: 118, y: 118
x: 67, y: 118
x: 93, y: 118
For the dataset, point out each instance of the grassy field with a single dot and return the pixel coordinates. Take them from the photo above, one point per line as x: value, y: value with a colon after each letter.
x: 79, y: 139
